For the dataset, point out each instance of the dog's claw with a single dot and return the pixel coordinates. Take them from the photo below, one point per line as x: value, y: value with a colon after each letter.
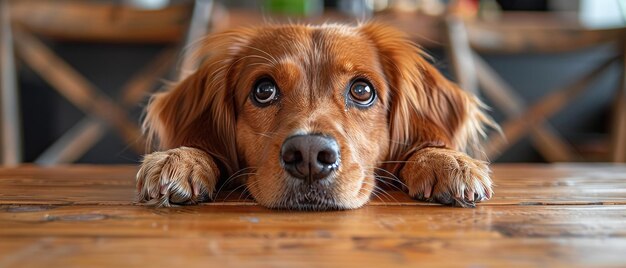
x: 458, y: 202
x: 427, y: 191
x: 470, y: 195
x: 163, y: 189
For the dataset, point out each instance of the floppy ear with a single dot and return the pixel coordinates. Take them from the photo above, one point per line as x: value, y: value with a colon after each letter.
x: 199, y: 112
x: 426, y: 110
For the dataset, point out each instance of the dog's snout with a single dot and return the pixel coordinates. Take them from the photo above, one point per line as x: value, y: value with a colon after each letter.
x: 311, y: 157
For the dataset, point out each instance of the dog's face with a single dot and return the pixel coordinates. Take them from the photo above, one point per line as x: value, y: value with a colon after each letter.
x: 312, y: 111
x: 309, y: 113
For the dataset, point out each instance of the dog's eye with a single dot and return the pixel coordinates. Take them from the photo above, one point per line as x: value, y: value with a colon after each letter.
x: 362, y: 93
x: 265, y: 91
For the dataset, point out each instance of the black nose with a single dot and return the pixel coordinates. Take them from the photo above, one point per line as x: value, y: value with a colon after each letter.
x: 311, y: 157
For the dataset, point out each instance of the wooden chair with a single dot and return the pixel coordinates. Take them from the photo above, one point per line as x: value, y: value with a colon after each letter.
x: 534, y: 33
x: 99, y: 22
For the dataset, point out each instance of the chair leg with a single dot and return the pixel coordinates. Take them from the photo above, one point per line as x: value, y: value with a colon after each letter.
x: 11, y: 127
x: 464, y: 65
x: 198, y: 27
x: 619, y: 127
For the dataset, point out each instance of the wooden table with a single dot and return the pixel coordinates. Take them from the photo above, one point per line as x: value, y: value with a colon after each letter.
x: 541, y: 215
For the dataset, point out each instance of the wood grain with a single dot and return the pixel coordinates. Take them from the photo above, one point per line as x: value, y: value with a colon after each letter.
x: 515, y: 185
x: 542, y: 215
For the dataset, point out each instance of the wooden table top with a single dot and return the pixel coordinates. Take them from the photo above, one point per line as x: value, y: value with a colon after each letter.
x: 541, y: 215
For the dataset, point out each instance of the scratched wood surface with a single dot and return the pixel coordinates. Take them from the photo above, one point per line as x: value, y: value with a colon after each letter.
x: 542, y: 215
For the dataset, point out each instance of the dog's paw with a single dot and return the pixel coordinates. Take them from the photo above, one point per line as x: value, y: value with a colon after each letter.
x: 178, y: 176
x: 448, y: 177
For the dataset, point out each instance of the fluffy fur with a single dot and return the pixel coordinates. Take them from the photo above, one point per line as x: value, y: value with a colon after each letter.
x: 421, y: 129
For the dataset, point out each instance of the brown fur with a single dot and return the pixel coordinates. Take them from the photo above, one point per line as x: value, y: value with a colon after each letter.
x: 419, y: 128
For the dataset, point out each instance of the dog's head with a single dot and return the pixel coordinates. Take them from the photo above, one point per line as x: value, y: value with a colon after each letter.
x: 312, y: 112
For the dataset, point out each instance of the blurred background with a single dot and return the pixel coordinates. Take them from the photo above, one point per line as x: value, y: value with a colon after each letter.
x: 75, y: 75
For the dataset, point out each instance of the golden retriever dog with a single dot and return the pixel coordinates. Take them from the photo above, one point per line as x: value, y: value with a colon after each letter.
x: 312, y: 118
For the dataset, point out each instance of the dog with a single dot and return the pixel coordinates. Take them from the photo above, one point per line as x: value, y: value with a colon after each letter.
x: 311, y: 117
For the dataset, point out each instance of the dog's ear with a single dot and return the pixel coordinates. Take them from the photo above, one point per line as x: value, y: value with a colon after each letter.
x: 199, y: 111
x: 426, y: 110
